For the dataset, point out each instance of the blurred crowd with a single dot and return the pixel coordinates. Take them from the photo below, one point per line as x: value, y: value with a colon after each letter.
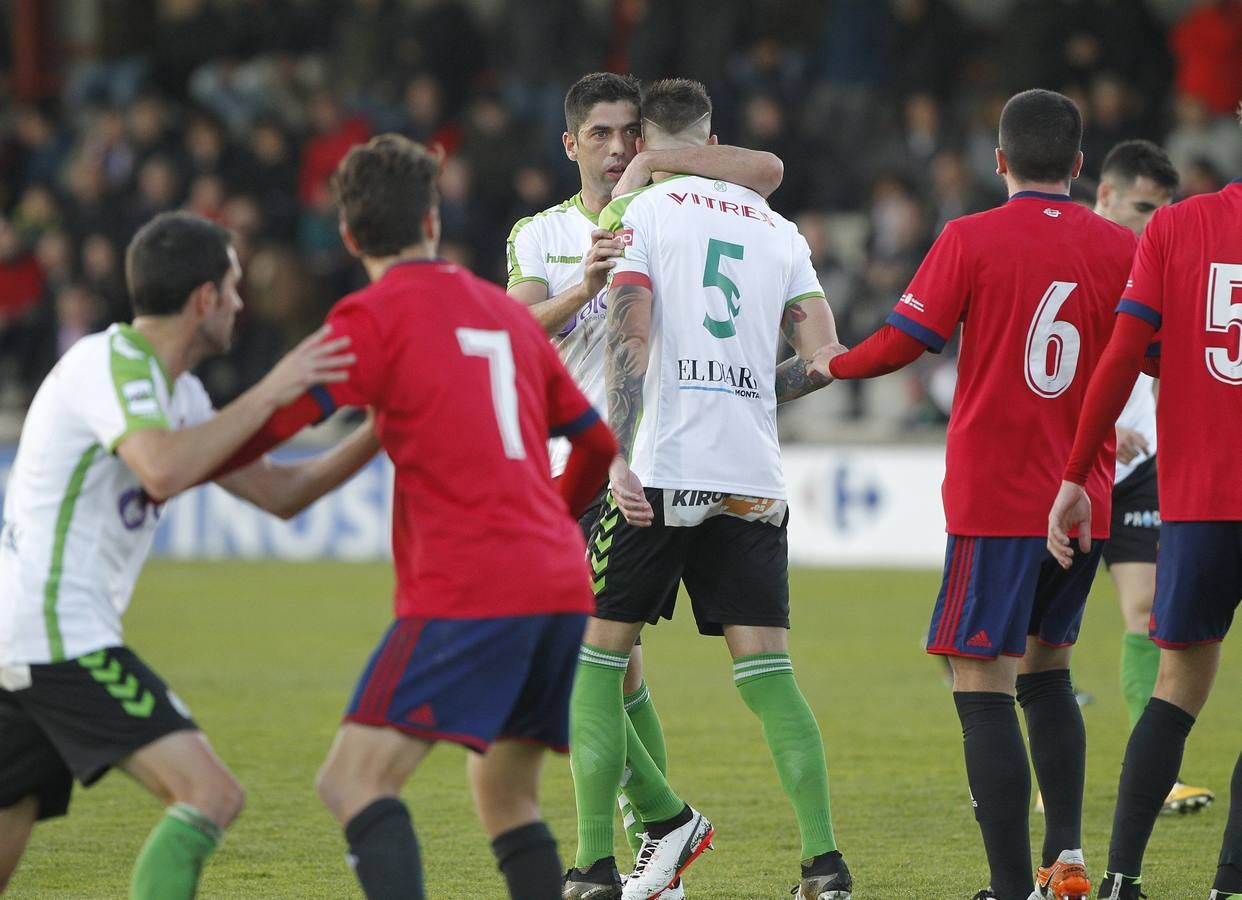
x: 884, y: 112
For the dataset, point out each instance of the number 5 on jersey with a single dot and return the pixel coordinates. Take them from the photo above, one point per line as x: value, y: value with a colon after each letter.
x: 494, y: 346
x: 1052, y: 346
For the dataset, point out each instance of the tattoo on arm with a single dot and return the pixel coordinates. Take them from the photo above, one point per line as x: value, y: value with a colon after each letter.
x: 625, y: 359
x: 794, y: 381
x: 794, y: 314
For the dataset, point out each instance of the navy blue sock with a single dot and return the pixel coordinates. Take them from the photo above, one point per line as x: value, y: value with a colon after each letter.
x: 1058, y: 741
x: 1153, y: 758
x: 384, y: 851
x: 1000, y: 786
x: 1229, y: 875
x: 527, y: 858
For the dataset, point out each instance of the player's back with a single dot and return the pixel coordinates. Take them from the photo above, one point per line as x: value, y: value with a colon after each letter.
x: 463, y: 382
x: 1192, y: 262
x: 722, y: 267
x: 1042, y: 277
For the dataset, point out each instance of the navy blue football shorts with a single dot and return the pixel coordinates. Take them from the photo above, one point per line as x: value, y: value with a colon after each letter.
x: 473, y: 681
x: 1198, y: 582
x: 997, y: 591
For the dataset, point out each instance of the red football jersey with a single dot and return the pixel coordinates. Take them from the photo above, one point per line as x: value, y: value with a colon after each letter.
x: 467, y: 389
x: 1187, y: 282
x: 1035, y: 283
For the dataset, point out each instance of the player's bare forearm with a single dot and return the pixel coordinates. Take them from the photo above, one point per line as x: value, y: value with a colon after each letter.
x: 758, y: 170
x: 285, y: 489
x: 550, y: 312
x: 625, y: 360
x: 794, y: 380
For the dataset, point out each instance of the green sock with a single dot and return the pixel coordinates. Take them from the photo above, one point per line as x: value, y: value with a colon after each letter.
x: 647, y: 787
x: 596, y: 748
x: 1140, y: 660
x: 766, y: 682
x: 172, y: 858
x: 646, y: 721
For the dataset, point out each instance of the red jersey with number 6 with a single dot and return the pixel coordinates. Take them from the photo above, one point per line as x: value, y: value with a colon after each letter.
x: 1035, y: 284
x: 1187, y: 282
x: 467, y: 390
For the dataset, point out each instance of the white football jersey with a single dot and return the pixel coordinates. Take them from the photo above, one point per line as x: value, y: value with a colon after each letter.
x: 1139, y: 415
x: 77, y: 524
x: 550, y: 247
x: 722, y: 267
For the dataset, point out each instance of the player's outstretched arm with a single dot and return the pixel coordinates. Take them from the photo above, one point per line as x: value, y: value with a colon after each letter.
x: 285, y: 489
x: 553, y: 312
x: 1110, y: 387
x: 809, y: 327
x: 625, y: 367
x: 758, y: 170
x: 168, y: 462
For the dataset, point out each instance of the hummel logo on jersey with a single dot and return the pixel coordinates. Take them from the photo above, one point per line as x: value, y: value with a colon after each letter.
x: 1052, y: 213
x: 422, y: 716
x: 909, y: 300
x: 567, y: 260
x: 981, y: 639
x: 724, y: 206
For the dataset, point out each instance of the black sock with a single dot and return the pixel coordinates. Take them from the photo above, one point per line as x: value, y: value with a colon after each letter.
x: 1000, y: 786
x: 657, y: 830
x: 1229, y: 874
x: 527, y: 857
x: 1058, y: 741
x: 1153, y: 758
x: 384, y: 851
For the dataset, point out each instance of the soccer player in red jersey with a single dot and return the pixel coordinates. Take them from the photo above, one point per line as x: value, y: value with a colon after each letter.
x: 492, y: 588
x: 1184, y: 286
x: 1033, y: 283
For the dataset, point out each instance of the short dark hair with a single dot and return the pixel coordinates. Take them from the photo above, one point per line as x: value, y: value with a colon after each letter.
x: 1040, y: 134
x: 597, y: 87
x: 385, y: 187
x: 170, y: 257
x: 1131, y: 160
x: 675, y: 104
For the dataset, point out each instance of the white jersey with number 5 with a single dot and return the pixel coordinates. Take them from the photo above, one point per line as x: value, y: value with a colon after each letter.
x: 77, y: 524
x: 722, y: 267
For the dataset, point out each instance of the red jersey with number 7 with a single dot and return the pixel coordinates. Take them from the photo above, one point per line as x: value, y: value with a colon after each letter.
x: 1187, y: 282
x: 467, y: 389
x: 1035, y: 284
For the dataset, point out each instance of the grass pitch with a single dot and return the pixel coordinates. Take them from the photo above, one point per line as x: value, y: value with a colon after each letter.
x: 266, y: 655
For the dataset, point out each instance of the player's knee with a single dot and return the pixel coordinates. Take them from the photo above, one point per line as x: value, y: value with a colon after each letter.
x: 219, y: 797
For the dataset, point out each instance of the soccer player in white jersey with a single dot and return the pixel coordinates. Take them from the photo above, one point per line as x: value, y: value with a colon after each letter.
x: 558, y: 262
x: 118, y: 427
x: 708, y: 277
x: 1136, y: 179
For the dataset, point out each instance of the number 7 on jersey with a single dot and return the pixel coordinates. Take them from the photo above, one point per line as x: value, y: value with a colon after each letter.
x: 494, y: 346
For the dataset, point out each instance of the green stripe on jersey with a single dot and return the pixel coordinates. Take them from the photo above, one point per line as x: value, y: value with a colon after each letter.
x: 807, y: 296
x: 51, y: 589
x: 130, y: 356
x: 614, y: 212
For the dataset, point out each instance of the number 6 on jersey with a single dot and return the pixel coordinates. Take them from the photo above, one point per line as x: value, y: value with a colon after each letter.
x: 494, y: 346
x: 1050, y: 378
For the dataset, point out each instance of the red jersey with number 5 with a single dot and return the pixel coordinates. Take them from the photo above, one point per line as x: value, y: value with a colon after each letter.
x: 467, y: 390
x: 1187, y: 282
x: 1035, y: 284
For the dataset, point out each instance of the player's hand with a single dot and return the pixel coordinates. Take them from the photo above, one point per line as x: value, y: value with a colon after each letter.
x: 627, y: 490
x: 319, y: 359
x: 599, y: 261
x: 822, y: 357
x: 1130, y: 444
x: 1072, y: 509
x: 636, y: 175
